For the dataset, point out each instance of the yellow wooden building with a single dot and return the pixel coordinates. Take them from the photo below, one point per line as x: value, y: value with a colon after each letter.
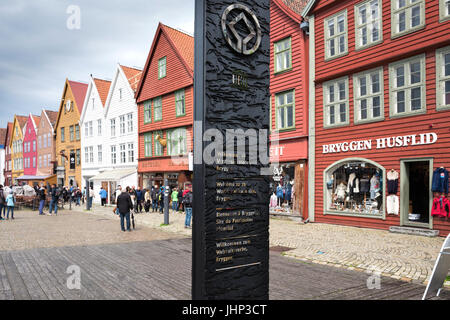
x: 68, y: 135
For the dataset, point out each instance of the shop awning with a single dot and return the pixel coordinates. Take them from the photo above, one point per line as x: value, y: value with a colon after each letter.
x: 113, y: 175
x: 32, y: 178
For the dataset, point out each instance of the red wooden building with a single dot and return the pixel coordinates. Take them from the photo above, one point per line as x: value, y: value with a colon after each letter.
x: 165, y: 109
x: 289, y: 107
x: 30, y: 146
x: 379, y: 112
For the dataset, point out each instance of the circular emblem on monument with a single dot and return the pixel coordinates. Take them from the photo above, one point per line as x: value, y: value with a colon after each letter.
x: 234, y: 39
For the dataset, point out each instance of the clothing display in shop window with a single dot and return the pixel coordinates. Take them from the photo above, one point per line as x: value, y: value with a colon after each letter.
x: 341, y: 191
x: 364, y: 185
x: 353, y: 182
x: 273, y: 200
x: 441, y: 207
x: 288, y: 194
x: 280, y: 194
x: 392, y: 182
x: 393, y: 204
x: 440, y: 180
x: 374, y: 186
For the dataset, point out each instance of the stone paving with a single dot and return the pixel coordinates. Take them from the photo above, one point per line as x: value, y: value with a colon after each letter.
x: 404, y: 257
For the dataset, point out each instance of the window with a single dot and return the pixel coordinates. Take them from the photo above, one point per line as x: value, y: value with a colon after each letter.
x: 86, y: 129
x: 335, y: 96
x: 162, y: 67
x: 78, y: 157
x: 71, y: 133
x: 113, y: 155
x: 113, y: 127
x: 444, y: 9
x: 77, y: 133
x: 368, y: 24
x: 336, y: 35
x: 407, y: 86
x: 368, y: 93
x: 39, y: 143
x: 407, y: 16
x: 63, y: 159
x: 148, y: 144
x: 443, y: 78
x: 122, y: 125
x: 130, y: 122
x: 283, y: 55
x: 176, y: 142
x: 355, y: 188
x: 130, y: 152
x: 34, y: 162
x: 120, y: 94
x: 86, y: 155
x: 157, y: 109
x: 180, y: 104
x: 91, y: 154
x: 100, y: 153
x: 63, y: 137
x: 40, y: 162
x: 99, y: 127
x: 158, y: 147
x: 123, y: 155
x: 147, y: 112
x: 285, y: 110
x: 91, y: 129
x: 34, y: 146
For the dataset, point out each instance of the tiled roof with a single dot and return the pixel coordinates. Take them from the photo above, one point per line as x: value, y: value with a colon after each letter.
x: 22, y: 120
x: 3, y: 136
x: 103, y: 89
x: 52, y: 116
x: 37, y: 120
x: 184, y: 43
x: 10, y: 130
x: 296, y: 5
x: 133, y: 76
x: 79, y: 91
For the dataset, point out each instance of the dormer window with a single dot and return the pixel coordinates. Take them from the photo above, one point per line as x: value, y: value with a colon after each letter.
x: 68, y: 105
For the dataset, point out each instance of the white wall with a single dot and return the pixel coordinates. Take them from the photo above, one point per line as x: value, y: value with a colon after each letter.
x: 2, y: 165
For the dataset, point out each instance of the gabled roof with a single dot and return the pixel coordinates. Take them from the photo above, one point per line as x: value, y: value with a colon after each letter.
x: 309, y: 6
x: 133, y: 76
x: 37, y: 120
x: 79, y: 92
x: 3, y: 132
x: 102, y: 89
x: 9, y: 132
x: 52, y: 116
x: 181, y: 42
x: 292, y: 8
x: 22, y: 120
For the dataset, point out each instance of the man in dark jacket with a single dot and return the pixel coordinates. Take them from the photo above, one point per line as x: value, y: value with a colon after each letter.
x: 41, y: 195
x: 187, y: 203
x: 55, y: 194
x: 154, y: 196
x: 2, y: 202
x: 124, y: 206
x: 139, y: 200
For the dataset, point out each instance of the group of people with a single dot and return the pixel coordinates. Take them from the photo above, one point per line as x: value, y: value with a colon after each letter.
x: 7, y: 204
x: 136, y: 200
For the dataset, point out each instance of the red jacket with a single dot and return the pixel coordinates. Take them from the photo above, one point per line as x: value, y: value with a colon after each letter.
x: 441, y: 207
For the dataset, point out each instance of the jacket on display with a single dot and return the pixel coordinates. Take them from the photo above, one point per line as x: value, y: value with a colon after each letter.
x: 365, y: 185
x: 374, y: 186
x: 353, y: 184
x: 280, y: 192
x: 393, y: 204
x: 273, y: 200
x: 392, y: 182
x: 440, y: 181
x: 441, y: 207
x: 341, y: 191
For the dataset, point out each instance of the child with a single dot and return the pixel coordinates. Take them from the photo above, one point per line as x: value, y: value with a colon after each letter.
x: 10, y: 201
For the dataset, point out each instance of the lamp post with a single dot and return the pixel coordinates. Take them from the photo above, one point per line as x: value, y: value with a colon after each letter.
x: 166, y: 201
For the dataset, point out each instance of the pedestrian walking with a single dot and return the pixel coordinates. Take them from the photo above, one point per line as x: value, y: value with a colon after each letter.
x: 91, y: 197
x: 180, y: 200
x: 2, y: 202
x: 187, y: 203
x: 41, y: 195
x: 154, y: 196
x: 10, y: 203
x: 124, y: 206
x: 55, y: 194
x: 161, y: 200
x: 139, y: 200
x: 103, y: 196
x: 174, y: 197
x: 147, y: 201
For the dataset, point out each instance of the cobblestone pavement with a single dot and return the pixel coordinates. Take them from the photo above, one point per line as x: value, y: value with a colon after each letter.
x: 404, y: 257
x: 69, y: 228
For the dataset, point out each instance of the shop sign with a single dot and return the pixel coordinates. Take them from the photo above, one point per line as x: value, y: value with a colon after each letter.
x: 382, y: 143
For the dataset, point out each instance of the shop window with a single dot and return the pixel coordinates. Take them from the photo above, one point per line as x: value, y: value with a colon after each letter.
x: 443, y: 78
x: 283, y: 55
x: 354, y: 187
x: 368, y: 94
x: 336, y: 35
x: 285, y: 110
x: 407, y: 87
x: 444, y: 10
x: 368, y: 24
x: 336, y: 110
x: 407, y: 16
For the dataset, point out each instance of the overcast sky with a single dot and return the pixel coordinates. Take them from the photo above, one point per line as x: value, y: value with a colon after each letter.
x: 38, y: 50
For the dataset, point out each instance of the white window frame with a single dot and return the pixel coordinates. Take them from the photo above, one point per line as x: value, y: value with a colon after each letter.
x: 336, y: 36
x: 370, y: 21
x: 123, y: 153
x: 284, y: 106
x: 100, y: 153
x: 444, y: 11
x: 395, y: 11
x: 113, y: 154
x: 99, y: 127
x: 112, y: 123
x: 130, y: 122
x: 441, y: 78
x: 369, y: 96
x: 131, y: 152
x: 283, y: 52
x: 327, y: 103
x: 122, y: 125
x: 407, y: 87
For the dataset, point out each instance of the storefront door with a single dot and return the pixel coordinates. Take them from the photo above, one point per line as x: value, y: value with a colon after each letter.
x: 415, y: 193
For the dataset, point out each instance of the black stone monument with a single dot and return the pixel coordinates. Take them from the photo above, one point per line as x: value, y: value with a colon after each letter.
x: 231, y: 194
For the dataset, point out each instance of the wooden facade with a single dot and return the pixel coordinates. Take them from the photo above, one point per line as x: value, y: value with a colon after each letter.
x: 418, y: 53
x: 167, y: 78
x: 30, y: 146
x: 16, y: 145
x: 8, y: 162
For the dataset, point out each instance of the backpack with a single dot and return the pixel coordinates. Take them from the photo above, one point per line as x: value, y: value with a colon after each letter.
x: 187, y: 199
